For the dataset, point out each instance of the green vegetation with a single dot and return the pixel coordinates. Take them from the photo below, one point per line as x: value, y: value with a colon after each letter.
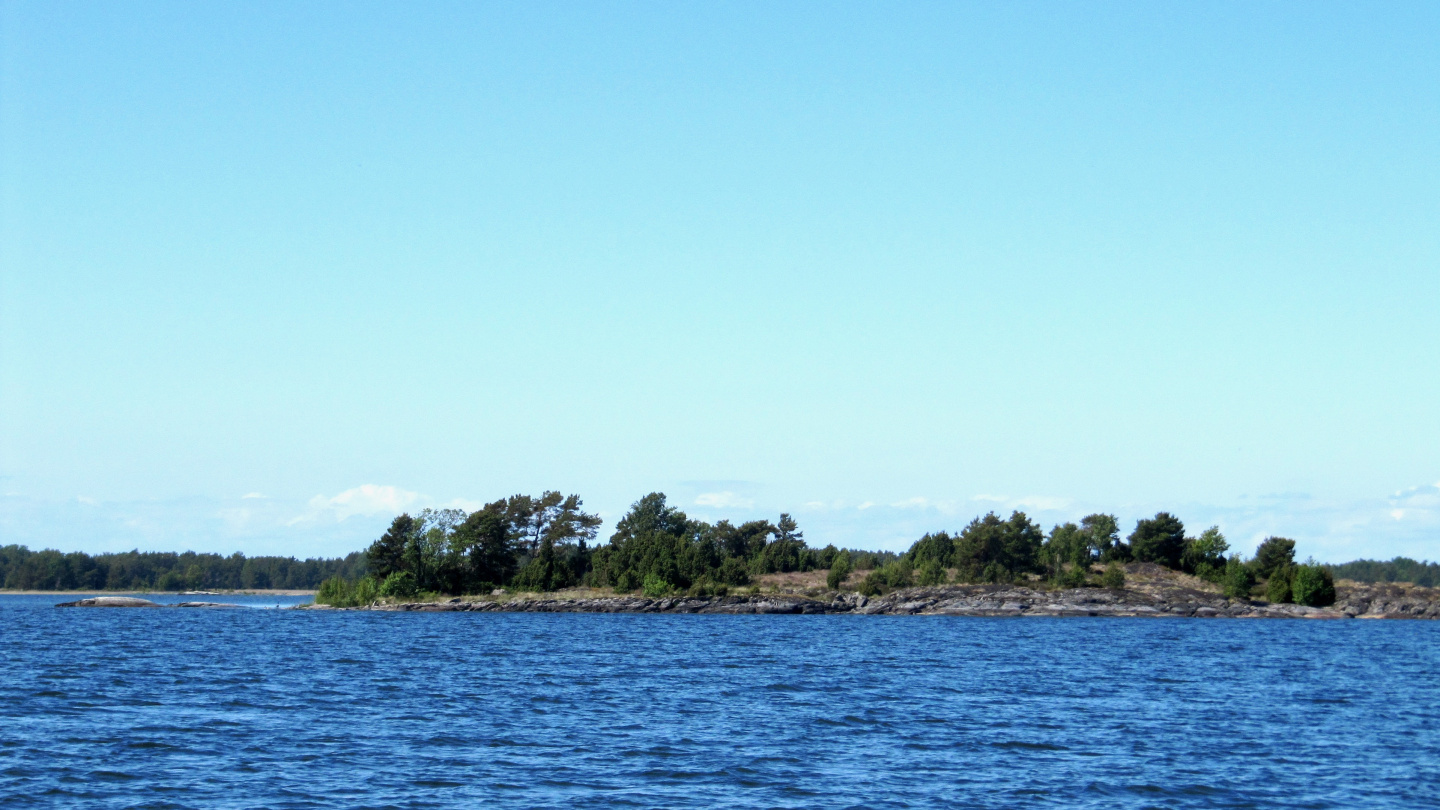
x: 840, y: 569
x: 1277, y: 589
x: 49, y: 570
x: 1238, y: 580
x: 341, y: 593
x: 1274, y: 555
x: 547, y: 543
x: 1400, y: 569
x: 1312, y: 585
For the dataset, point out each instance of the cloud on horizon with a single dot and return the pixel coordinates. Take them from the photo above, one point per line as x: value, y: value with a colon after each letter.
x: 1406, y: 522
x: 723, y: 500
x: 366, y: 499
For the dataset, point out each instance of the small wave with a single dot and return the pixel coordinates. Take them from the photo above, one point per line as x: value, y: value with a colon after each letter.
x: 1029, y: 746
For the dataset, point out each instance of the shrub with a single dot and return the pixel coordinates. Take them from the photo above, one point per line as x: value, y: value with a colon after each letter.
x: 872, y: 585
x: 400, y: 584
x: 840, y: 568
x: 334, y: 591
x: 932, y: 573
x: 732, y: 572
x: 1238, y: 579
x: 1278, y: 588
x: 1312, y: 585
x: 367, y: 590
x: 898, y: 574
x: 655, y: 586
x: 1073, y: 577
x: 995, y: 572
x: 1210, y: 573
x: 708, y: 587
x: 1114, y: 576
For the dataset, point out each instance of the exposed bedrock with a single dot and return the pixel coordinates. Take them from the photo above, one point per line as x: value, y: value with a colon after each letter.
x: 969, y: 600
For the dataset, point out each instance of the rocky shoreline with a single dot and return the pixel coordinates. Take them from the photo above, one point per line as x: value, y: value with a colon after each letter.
x: 1365, y: 602
x: 1155, y: 594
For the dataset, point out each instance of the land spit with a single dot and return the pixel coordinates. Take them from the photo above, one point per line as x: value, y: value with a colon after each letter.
x: 1150, y: 591
x: 1366, y: 602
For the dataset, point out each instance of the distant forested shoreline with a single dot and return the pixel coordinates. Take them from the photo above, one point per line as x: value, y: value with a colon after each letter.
x: 50, y: 570
x: 546, y: 543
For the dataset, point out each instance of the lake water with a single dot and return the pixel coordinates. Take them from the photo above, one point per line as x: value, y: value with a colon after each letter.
x: 291, y: 709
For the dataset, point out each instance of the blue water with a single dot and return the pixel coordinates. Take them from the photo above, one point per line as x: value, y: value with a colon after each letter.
x: 265, y: 708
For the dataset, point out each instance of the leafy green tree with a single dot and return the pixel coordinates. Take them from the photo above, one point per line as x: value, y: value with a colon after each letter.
x: 937, y: 547
x: 539, y: 575
x: 1273, y: 554
x: 484, y: 541
x: 1114, y: 577
x: 387, y: 555
x: 553, y: 515
x: 1066, y: 545
x: 1312, y: 585
x: 994, y: 550
x: 1205, y: 555
x: 1102, y: 533
x: 786, y: 552
x: 1160, y: 539
x: 655, y: 538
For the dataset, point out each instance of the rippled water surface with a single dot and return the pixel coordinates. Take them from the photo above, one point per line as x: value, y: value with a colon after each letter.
x: 267, y: 708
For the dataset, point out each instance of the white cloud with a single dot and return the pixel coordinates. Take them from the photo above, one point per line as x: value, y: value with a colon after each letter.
x: 366, y: 499
x: 251, y: 495
x: 1424, y: 499
x: 1037, y: 503
x: 911, y: 503
x: 723, y: 500
x: 865, y: 505
x: 1043, y: 503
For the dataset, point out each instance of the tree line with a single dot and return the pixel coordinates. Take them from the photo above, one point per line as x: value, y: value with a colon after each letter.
x: 995, y: 549
x: 50, y: 570
x: 1400, y: 569
x: 547, y: 543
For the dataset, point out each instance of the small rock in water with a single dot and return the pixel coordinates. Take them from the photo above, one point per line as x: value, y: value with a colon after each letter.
x: 110, y: 601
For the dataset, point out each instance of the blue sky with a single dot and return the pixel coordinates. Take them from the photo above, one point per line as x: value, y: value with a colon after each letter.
x: 270, y: 274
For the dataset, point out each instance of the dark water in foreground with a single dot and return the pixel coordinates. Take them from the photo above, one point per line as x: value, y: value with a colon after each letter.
x: 209, y: 709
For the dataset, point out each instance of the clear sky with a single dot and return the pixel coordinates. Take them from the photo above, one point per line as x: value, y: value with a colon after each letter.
x: 270, y: 273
